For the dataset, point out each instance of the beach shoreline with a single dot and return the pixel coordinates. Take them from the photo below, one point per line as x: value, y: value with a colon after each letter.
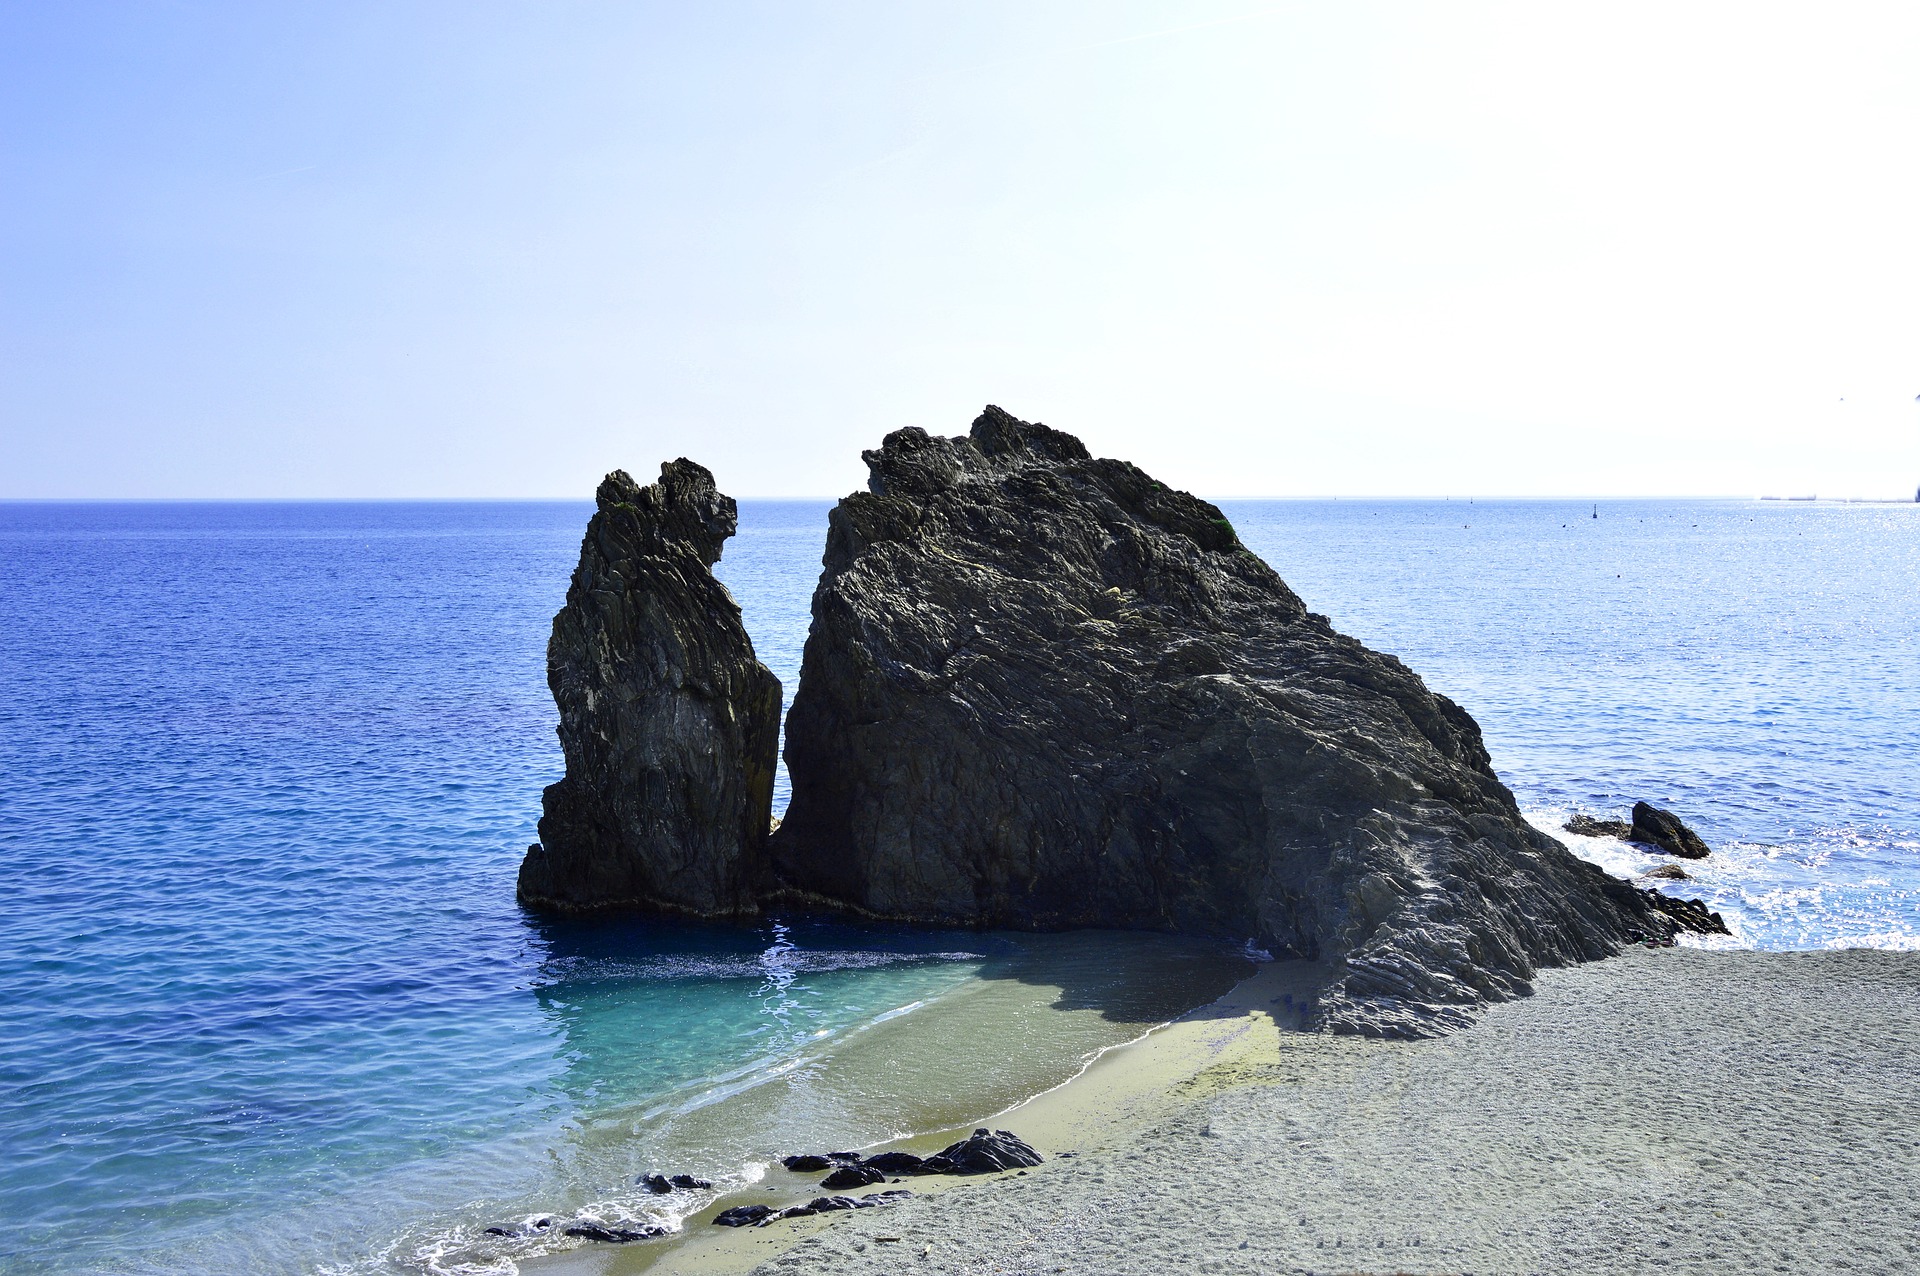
x: 1122, y: 1088
x: 1678, y: 1108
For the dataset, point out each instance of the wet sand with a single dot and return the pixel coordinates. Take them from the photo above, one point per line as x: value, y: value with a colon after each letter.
x: 1678, y: 1109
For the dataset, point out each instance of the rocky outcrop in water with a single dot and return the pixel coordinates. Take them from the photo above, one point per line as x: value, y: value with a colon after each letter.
x: 1650, y: 826
x: 669, y: 725
x: 1686, y: 914
x: 1663, y: 829
x: 1042, y: 690
x: 1588, y: 826
x: 661, y: 1184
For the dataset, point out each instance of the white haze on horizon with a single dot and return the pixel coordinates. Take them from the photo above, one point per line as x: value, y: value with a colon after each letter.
x: 491, y: 250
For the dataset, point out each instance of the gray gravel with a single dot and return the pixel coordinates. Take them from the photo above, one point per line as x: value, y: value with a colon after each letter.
x: 1678, y: 1110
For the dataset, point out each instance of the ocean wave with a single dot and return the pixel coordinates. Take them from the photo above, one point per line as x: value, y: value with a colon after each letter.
x: 1834, y: 887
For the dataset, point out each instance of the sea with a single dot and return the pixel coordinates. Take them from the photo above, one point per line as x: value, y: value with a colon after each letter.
x: 267, y: 772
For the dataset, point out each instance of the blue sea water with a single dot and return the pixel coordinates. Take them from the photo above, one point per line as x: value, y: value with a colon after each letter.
x: 266, y: 1003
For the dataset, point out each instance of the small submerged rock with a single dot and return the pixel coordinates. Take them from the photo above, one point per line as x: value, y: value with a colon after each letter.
x: 524, y: 1229
x: 1588, y: 826
x: 1650, y: 827
x: 813, y: 1163
x: 614, y: 1235
x: 660, y: 1184
x: 1671, y: 873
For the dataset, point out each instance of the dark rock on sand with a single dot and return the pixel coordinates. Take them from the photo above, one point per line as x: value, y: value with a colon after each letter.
x: 829, y: 1204
x: 824, y: 1204
x: 743, y: 1215
x: 834, y: 1204
x: 1587, y: 826
x: 614, y: 1235
x: 1663, y: 829
x: 811, y: 1163
x: 898, y: 1163
x: 852, y: 1176
x: 669, y: 724
x: 1044, y: 691
x: 983, y: 1152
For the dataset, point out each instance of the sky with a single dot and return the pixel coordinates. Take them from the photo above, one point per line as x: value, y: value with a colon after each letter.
x: 480, y: 249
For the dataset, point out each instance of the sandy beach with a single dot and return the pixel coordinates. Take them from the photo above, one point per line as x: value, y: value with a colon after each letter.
x: 1678, y: 1109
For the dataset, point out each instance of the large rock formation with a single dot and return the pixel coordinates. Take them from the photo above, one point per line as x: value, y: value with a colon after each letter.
x: 669, y: 724
x: 1043, y: 690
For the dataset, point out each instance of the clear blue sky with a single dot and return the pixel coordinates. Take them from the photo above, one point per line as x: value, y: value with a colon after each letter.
x: 487, y: 249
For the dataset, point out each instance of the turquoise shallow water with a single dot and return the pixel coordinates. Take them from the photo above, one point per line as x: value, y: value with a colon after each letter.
x: 266, y: 1003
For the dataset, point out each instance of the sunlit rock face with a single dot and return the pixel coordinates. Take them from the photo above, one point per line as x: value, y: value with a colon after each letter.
x: 1042, y: 690
x: 669, y: 724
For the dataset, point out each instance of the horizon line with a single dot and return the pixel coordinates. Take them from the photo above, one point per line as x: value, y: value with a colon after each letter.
x: 812, y: 499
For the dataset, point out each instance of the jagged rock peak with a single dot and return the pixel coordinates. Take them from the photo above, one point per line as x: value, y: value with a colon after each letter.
x: 911, y: 460
x: 683, y: 508
x: 668, y: 722
x: 1043, y: 690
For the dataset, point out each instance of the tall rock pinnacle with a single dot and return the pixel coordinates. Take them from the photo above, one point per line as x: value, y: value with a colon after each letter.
x: 669, y: 724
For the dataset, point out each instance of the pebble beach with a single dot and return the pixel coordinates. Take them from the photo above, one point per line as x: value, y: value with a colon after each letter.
x: 1679, y: 1110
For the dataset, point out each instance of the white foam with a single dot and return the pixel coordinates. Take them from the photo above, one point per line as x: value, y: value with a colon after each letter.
x: 1828, y: 888
x: 907, y: 1009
